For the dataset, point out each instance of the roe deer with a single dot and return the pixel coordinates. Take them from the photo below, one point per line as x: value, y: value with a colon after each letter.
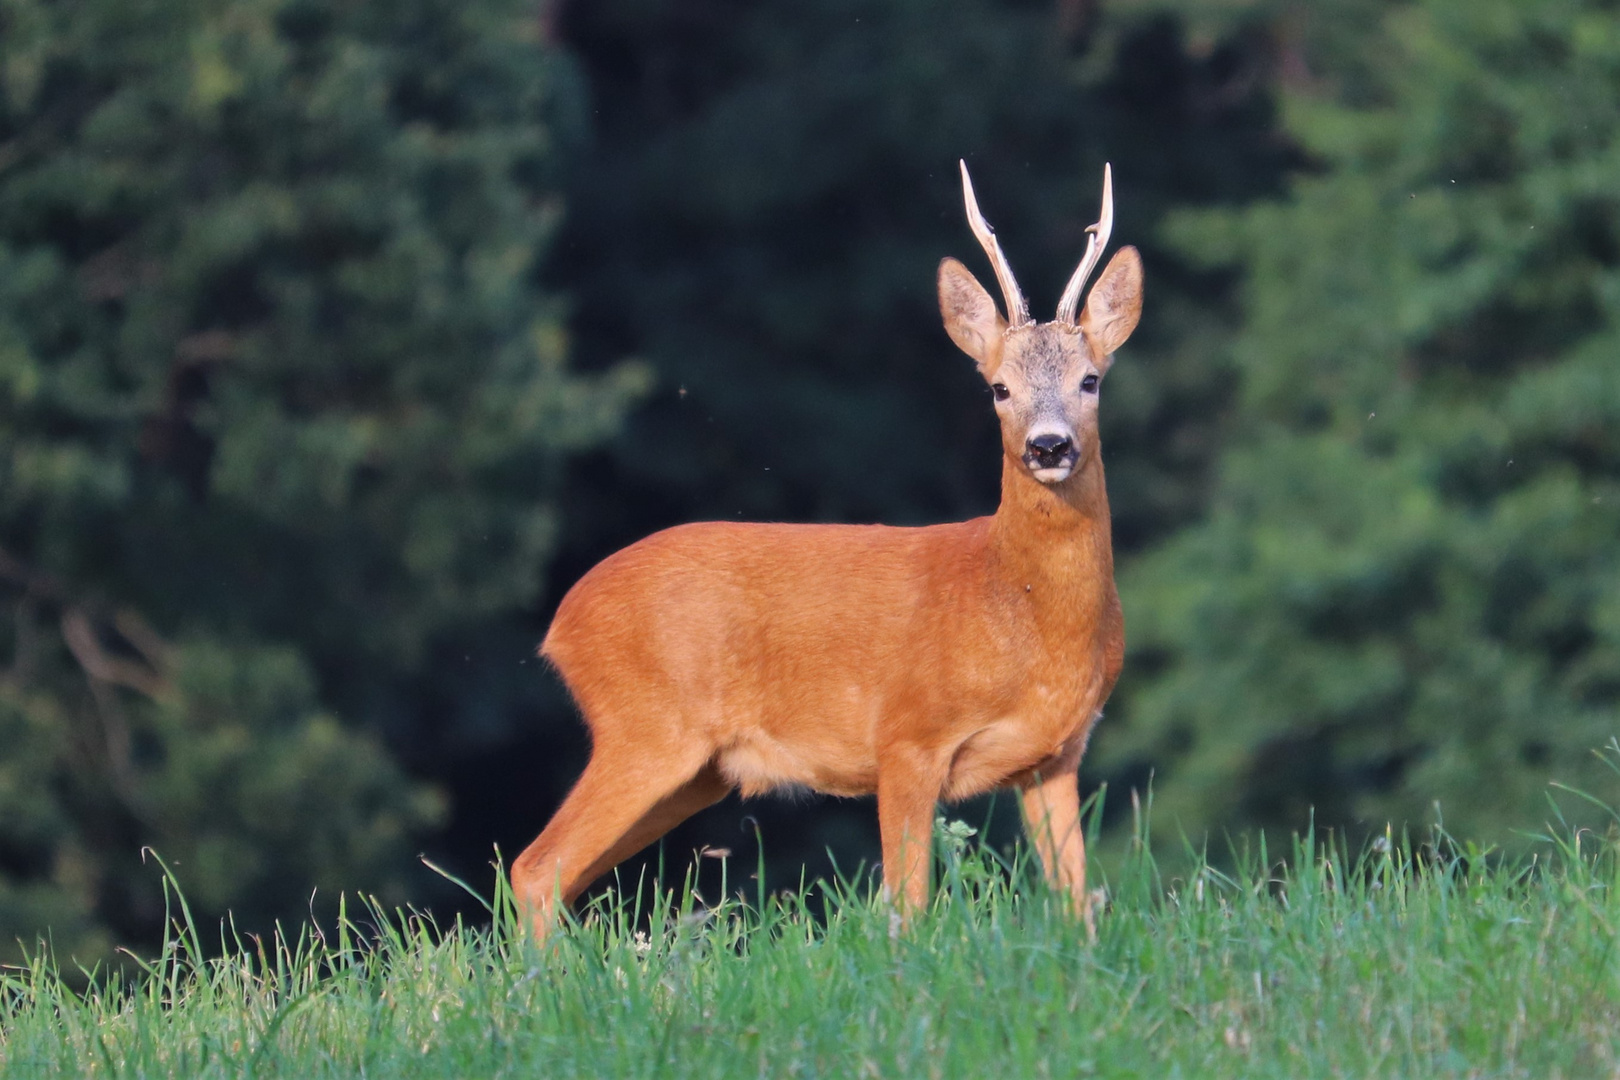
x: 919, y: 663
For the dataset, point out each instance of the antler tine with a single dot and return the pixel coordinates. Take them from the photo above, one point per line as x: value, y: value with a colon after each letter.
x: 1017, y: 309
x: 1094, y: 249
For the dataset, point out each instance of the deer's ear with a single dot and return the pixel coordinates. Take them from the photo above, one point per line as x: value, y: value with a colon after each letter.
x: 970, y: 315
x: 1115, y: 303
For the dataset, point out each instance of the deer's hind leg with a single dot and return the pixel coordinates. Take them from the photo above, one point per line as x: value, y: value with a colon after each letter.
x: 699, y: 793
x: 622, y: 803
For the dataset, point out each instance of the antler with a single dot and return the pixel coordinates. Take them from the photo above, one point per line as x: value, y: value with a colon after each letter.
x: 1094, y: 249
x: 1017, y: 309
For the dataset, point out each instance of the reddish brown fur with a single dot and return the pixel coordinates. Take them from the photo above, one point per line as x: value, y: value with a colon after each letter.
x: 917, y: 663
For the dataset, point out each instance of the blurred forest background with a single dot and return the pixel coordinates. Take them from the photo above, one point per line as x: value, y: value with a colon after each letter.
x: 338, y: 337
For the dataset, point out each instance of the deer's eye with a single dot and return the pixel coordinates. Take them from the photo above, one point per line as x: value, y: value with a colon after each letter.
x: 1089, y: 384
x: 1001, y: 391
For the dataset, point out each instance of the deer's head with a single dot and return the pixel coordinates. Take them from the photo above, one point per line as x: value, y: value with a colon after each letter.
x: 1044, y: 376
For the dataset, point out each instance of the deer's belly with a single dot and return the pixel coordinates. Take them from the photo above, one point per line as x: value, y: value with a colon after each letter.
x: 821, y: 741
x: 758, y: 763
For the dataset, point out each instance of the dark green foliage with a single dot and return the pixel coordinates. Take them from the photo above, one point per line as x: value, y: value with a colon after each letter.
x: 1408, y: 587
x: 280, y: 412
x: 284, y: 408
x: 773, y: 185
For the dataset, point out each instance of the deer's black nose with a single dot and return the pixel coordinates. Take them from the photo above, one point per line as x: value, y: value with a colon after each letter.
x: 1050, y: 451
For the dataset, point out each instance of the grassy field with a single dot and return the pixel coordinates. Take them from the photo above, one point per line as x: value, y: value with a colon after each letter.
x: 1410, y: 960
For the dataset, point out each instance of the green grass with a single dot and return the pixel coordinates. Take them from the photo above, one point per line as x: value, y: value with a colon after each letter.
x: 1413, y: 960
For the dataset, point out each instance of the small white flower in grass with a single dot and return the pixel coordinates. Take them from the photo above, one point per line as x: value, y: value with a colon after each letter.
x: 954, y: 834
x: 642, y: 944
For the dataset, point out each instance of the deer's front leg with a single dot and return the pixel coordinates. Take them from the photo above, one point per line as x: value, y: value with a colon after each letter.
x: 1051, y: 806
x: 909, y: 783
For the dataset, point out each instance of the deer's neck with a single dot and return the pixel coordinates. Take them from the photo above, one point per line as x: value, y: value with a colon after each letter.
x: 1054, y: 541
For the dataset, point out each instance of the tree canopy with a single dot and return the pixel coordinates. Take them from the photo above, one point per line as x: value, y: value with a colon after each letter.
x: 1407, y: 588
x: 282, y: 408
x: 338, y: 339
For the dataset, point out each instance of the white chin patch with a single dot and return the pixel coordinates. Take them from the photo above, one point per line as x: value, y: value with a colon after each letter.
x: 1052, y: 476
